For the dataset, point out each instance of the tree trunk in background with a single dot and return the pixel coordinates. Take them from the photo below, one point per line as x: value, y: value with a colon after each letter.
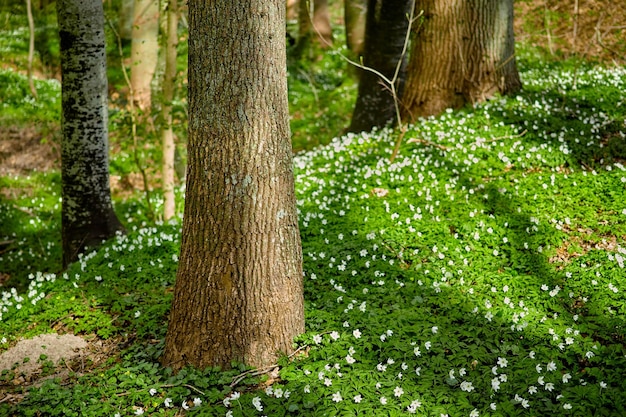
x: 385, y: 34
x: 355, y: 12
x: 169, y: 147
x: 126, y: 16
x: 321, y: 23
x: 314, y: 24
x: 87, y: 213
x: 238, y: 294
x: 463, y: 52
x: 31, y: 47
x: 144, y: 50
x: 292, y: 9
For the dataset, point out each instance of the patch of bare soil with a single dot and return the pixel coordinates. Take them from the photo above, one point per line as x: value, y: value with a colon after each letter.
x: 24, y: 149
x: 66, y: 357
x: 579, y: 245
x: 590, y: 29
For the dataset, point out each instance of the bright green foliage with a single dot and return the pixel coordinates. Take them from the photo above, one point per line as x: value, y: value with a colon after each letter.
x: 17, y: 105
x: 483, y: 268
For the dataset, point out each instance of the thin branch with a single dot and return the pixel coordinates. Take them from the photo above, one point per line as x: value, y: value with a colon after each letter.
x: 427, y: 143
x: 261, y: 371
x: 519, y: 135
x: 125, y: 393
x: 310, y: 80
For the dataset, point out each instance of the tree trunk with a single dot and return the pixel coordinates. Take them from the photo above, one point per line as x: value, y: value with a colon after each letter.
x: 126, y: 16
x: 355, y: 12
x: 464, y: 52
x: 385, y: 34
x: 314, y: 24
x: 238, y: 294
x: 292, y: 9
x: 87, y: 212
x: 31, y: 47
x: 169, y: 147
x: 144, y: 50
x: 321, y: 23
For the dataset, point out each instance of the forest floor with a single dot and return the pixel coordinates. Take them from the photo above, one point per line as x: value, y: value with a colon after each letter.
x: 22, y: 150
x: 111, y: 321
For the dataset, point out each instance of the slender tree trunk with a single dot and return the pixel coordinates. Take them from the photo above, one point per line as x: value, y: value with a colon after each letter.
x: 292, y: 9
x: 314, y: 24
x: 463, y: 53
x: 238, y: 294
x: 144, y: 50
x: 87, y: 214
x: 126, y: 16
x: 169, y: 147
x: 355, y: 12
x: 31, y: 47
x: 321, y: 23
x: 385, y: 34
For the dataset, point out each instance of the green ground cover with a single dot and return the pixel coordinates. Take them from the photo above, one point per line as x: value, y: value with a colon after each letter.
x: 479, y: 274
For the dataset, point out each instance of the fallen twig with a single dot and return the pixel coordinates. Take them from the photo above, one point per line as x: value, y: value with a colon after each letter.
x: 256, y: 372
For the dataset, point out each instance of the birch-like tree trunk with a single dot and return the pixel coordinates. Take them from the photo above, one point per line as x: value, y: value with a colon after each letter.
x: 385, y: 35
x: 168, y: 145
x: 87, y: 213
x: 144, y: 50
x: 463, y: 52
x: 238, y: 294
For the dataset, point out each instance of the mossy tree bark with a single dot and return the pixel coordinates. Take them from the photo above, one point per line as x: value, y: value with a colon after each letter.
x: 463, y: 52
x: 238, y: 294
x: 385, y: 33
x: 87, y: 213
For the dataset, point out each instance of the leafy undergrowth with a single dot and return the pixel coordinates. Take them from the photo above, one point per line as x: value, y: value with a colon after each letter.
x: 479, y: 274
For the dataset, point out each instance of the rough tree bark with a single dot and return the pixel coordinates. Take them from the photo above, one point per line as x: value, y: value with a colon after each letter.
x: 355, y: 12
x: 144, y: 50
x: 167, y: 135
x: 464, y: 52
x: 238, y: 294
x: 87, y: 213
x: 385, y: 33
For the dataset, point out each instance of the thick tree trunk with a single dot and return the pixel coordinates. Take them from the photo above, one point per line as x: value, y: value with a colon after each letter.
x: 169, y: 147
x: 464, y: 52
x: 385, y: 34
x: 144, y: 50
x: 238, y: 294
x: 355, y: 12
x: 87, y: 212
